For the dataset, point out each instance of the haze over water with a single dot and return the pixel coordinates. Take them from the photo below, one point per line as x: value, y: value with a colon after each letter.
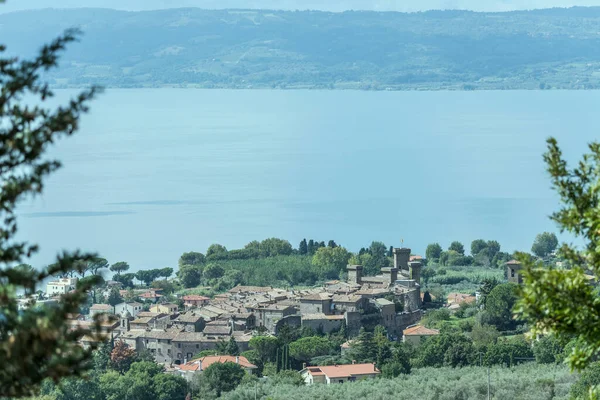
x: 157, y: 172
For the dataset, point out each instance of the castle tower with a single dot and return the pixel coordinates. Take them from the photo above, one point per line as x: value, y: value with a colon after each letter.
x: 355, y: 274
x: 414, y: 269
x: 401, y: 258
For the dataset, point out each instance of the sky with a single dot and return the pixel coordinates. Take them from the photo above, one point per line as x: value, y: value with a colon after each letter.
x: 326, y: 5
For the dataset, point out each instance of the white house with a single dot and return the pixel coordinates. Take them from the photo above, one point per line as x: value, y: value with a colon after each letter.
x: 133, y: 308
x: 61, y: 286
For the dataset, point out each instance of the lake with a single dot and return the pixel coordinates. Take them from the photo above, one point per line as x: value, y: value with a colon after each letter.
x: 157, y: 172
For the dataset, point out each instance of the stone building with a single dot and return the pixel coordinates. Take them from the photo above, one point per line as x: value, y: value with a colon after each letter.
x: 268, y: 315
x: 513, y: 272
x: 316, y: 303
x: 133, y: 308
x: 189, y: 322
x: 322, y: 323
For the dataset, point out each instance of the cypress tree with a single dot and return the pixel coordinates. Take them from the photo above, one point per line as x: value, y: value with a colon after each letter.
x: 303, y: 248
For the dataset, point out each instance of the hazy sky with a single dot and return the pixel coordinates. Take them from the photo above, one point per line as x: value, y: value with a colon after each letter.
x: 328, y: 5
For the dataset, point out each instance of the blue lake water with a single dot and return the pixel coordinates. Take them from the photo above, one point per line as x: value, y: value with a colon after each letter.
x: 157, y: 172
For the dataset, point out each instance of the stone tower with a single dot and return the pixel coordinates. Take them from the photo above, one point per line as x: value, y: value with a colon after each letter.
x: 401, y: 258
x: 414, y: 269
x: 355, y: 274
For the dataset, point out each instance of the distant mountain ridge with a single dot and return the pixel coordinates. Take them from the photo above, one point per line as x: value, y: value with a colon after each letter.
x: 552, y: 48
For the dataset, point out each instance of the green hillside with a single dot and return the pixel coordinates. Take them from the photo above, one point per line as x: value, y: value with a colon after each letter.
x: 555, y: 48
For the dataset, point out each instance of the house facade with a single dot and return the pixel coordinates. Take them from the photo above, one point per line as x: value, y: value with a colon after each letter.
x: 61, y: 286
x: 416, y: 334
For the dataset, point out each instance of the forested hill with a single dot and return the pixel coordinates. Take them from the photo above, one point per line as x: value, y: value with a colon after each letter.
x: 554, y: 48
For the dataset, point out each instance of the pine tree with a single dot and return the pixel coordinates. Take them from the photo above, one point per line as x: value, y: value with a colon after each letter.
x: 311, y: 247
x: 332, y: 244
x: 364, y: 348
x: 37, y: 343
x: 303, y: 247
x: 232, y: 348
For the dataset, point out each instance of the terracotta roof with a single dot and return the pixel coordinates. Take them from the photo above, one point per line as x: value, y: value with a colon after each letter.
x: 101, y: 307
x: 347, y: 344
x: 207, y: 361
x: 150, y: 295
x: 193, y: 297
x: 415, y: 258
x: 513, y: 262
x: 344, y: 371
x: 250, y: 289
x: 420, y: 330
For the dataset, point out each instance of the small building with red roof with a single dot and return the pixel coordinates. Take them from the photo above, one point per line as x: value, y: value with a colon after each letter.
x: 193, y: 300
x: 416, y: 333
x: 339, y: 373
x: 191, y: 368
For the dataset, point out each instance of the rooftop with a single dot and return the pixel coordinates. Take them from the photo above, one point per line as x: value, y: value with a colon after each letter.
x: 205, y: 362
x: 194, y: 297
x: 420, y: 330
x: 343, y: 371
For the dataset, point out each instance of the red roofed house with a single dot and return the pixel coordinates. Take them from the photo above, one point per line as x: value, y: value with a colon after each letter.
x: 152, y: 295
x: 193, y: 300
x: 459, y: 298
x: 198, y: 365
x: 415, y: 334
x: 339, y: 373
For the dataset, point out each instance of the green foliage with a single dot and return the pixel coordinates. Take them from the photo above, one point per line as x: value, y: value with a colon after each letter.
x: 331, y: 261
x: 527, y: 381
x: 445, y: 349
x: 499, y: 306
x: 275, y: 247
x: 433, y: 252
x: 477, y: 246
x: 303, y: 247
x: 126, y: 280
x: 119, y: 267
x: 484, y: 335
x: 221, y: 377
x: 265, y: 346
x: 148, y: 276
x: 363, y: 347
x: 548, y: 350
x: 508, y: 352
x: 544, y: 244
x: 426, y: 274
x: 588, y: 379
x: 192, y: 258
x: 305, y: 349
x: 434, y: 318
x: 114, y: 297
x: 216, y: 252
x: 287, y: 377
x: 36, y: 343
x: 457, y: 247
x: 232, y: 348
x: 169, y: 387
x: 212, y: 271
x: 190, y: 276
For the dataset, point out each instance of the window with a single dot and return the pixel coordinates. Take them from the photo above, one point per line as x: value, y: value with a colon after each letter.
x: 341, y: 381
x: 169, y: 341
x: 146, y: 341
x: 178, y: 355
x: 512, y: 273
x: 318, y: 309
x: 169, y: 351
x: 189, y: 355
x: 197, y: 346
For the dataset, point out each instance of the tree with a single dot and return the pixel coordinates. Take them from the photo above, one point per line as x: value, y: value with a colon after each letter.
x: 484, y: 335
x: 126, y: 280
x: 427, y: 297
x: 192, y: 258
x: 265, y: 346
x: 190, y: 276
x: 232, y: 348
x: 477, y: 246
x: 275, y: 247
x: 169, y: 387
x: 166, y: 272
x: 306, y: 348
x: 457, y: 247
x: 372, y: 265
x: 96, y: 264
x: 499, y: 305
x: 303, y: 247
x: 331, y: 244
x: 36, y: 343
x: 216, y: 252
x: 450, y: 349
x: 78, y: 389
x: 433, y: 252
x: 146, y: 276
x: 213, y: 271
x: 508, y: 352
x: 548, y: 350
x: 119, y: 267
x: 311, y: 247
x: 426, y: 274
x: 102, y: 356
x: 588, y: 380
x: 114, y: 297
x: 544, y: 244
x: 331, y: 261
x: 96, y: 280
x: 222, y: 377
x: 122, y: 356
x: 364, y: 348
x: 493, y: 248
